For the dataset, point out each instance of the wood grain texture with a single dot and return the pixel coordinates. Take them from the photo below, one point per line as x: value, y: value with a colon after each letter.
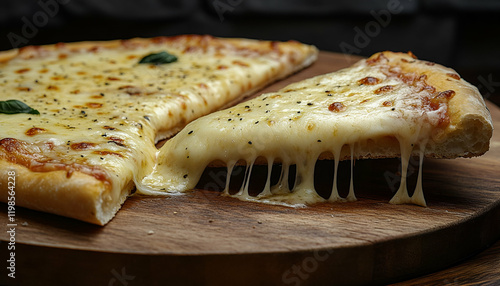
x: 203, y: 238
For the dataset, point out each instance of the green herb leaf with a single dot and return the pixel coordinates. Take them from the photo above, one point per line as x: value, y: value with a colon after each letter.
x: 13, y: 106
x: 158, y: 58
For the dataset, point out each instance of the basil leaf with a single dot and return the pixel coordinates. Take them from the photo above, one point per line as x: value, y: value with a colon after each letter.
x: 13, y: 106
x: 158, y: 58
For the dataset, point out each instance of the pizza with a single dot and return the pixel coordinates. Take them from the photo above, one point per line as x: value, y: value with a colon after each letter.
x: 80, y: 120
x: 389, y: 105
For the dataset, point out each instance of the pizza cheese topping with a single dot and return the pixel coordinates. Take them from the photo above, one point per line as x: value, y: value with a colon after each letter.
x: 372, y: 102
x: 106, y: 104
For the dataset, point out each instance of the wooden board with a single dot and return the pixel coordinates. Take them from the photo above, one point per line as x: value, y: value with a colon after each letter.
x: 203, y: 238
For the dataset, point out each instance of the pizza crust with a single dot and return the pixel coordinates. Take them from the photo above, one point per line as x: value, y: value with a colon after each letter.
x: 82, y: 197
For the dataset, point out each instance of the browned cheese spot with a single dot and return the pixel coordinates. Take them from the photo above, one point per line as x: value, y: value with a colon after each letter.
x: 34, y: 131
x: 93, y: 104
x: 369, y: 80
x: 385, y: 88
x: 82, y: 146
x: 337, y: 107
x: 104, y: 153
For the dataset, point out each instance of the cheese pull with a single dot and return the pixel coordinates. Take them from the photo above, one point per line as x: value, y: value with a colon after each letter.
x: 390, y: 105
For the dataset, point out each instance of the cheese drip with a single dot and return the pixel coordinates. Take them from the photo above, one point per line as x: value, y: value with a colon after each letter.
x: 299, y: 123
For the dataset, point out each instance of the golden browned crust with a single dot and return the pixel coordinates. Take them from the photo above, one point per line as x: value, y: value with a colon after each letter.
x: 80, y: 196
x: 470, y: 129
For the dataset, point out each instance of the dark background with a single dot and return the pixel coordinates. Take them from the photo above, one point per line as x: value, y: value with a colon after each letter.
x: 462, y: 34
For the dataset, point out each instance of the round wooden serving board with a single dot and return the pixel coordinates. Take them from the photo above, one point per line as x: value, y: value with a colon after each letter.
x: 202, y: 238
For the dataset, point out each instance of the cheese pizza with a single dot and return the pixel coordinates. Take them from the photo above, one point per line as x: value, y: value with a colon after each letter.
x: 80, y: 121
x: 389, y: 105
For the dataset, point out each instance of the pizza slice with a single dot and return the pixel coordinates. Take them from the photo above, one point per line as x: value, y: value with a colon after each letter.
x: 389, y: 105
x: 80, y: 121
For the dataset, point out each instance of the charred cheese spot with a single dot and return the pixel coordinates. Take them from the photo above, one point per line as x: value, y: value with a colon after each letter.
x: 453, y: 75
x: 105, y: 152
x: 117, y: 141
x: 82, y: 146
x: 130, y: 89
x: 385, y: 88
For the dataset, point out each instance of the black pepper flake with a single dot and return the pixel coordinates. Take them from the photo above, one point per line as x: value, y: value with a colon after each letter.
x: 250, y: 142
x: 147, y: 118
x: 190, y: 132
x: 319, y: 141
x: 246, y: 106
x: 393, y: 109
x: 309, y: 104
x: 185, y: 176
x: 256, y: 122
x: 329, y: 94
x: 299, y: 102
x: 229, y: 119
x: 327, y: 91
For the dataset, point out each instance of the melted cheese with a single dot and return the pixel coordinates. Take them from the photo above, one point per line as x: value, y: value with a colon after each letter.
x: 99, y: 107
x: 358, y: 107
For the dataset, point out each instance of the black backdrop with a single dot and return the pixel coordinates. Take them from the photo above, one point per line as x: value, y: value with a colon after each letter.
x: 462, y: 34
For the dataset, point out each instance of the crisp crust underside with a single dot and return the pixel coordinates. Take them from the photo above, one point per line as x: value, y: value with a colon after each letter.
x: 84, y: 197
